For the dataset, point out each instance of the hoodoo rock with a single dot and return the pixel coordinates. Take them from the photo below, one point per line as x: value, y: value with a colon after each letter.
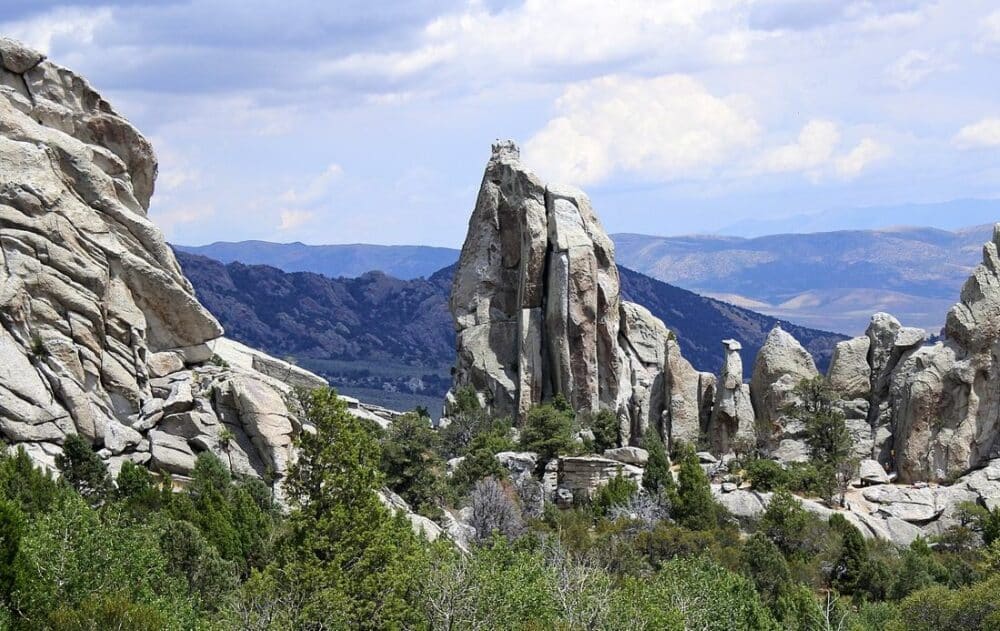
x: 100, y: 333
x: 538, y: 311
x: 732, y: 418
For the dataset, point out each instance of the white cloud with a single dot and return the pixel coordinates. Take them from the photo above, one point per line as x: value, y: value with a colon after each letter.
x: 812, y: 149
x: 892, y: 22
x: 911, y: 69
x: 665, y: 128
x: 292, y: 219
x: 866, y: 153
x: 541, y: 35
x: 71, y: 26
x: 985, y: 133
x: 170, y: 215
x: 991, y: 30
x: 814, y: 153
x: 393, y: 65
x: 315, y: 189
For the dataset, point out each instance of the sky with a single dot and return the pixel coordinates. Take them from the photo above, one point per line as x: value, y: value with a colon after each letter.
x: 358, y: 121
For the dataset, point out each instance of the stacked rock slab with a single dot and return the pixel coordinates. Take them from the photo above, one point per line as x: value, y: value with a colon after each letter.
x: 538, y: 311
x: 100, y: 333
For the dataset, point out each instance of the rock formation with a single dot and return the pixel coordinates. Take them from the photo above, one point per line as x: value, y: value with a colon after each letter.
x: 538, y: 312
x: 732, y: 417
x: 780, y: 365
x: 945, y: 398
x: 100, y: 333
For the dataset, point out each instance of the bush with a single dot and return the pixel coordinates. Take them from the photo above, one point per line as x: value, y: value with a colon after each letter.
x: 548, y: 430
x: 83, y: 469
x: 974, y: 608
x: 767, y: 475
x: 919, y: 570
x: 495, y: 511
x: 657, y: 479
x: 763, y: 563
x: 606, y: 430
x: 480, y: 461
x: 456, y: 438
x: 788, y: 525
x: 33, y: 490
x: 617, y: 492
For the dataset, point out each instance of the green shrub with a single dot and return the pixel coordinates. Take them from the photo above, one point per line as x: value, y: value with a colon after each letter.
x: 617, y: 492
x: 657, y: 478
x: 604, y: 424
x: 767, y: 475
x: 788, y: 525
x: 548, y: 430
x: 83, y: 469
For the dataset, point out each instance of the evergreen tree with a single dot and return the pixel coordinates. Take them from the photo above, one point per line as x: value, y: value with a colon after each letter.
x: 829, y: 441
x: 657, y: 479
x: 11, y: 529
x: 350, y: 562
x: 411, y: 465
x: 695, y: 507
x: 848, y: 572
x: 33, y: 490
x: 764, y: 564
x: 83, y: 469
x: 787, y: 524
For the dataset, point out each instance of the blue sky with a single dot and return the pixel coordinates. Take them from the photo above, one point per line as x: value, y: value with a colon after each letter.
x: 339, y: 122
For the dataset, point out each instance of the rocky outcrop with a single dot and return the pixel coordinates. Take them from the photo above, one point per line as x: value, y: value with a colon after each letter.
x: 891, y: 512
x: 691, y: 396
x: 732, y: 417
x: 780, y: 365
x: 946, y: 398
x: 100, y: 333
x: 538, y: 312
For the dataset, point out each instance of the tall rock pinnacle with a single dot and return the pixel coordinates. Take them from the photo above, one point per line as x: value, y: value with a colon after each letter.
x: 538, y: 311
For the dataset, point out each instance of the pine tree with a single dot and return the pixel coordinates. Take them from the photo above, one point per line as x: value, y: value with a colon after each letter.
x: 83, y: 469
x: 351, y: 562
x: 658, y: 480
x: 848, y: 571
x: 695, y: 508
x: 763, y: 563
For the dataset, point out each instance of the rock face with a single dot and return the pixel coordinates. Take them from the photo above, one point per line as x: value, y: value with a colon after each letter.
x: 538, y: 312
x: 100, y: 333
x: 849, y: 374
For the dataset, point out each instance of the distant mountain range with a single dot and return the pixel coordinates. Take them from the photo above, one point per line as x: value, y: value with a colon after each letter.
x: 950, y: 215
x: 392, y: 342
x: 399, y: 261
x: 827, y: 280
